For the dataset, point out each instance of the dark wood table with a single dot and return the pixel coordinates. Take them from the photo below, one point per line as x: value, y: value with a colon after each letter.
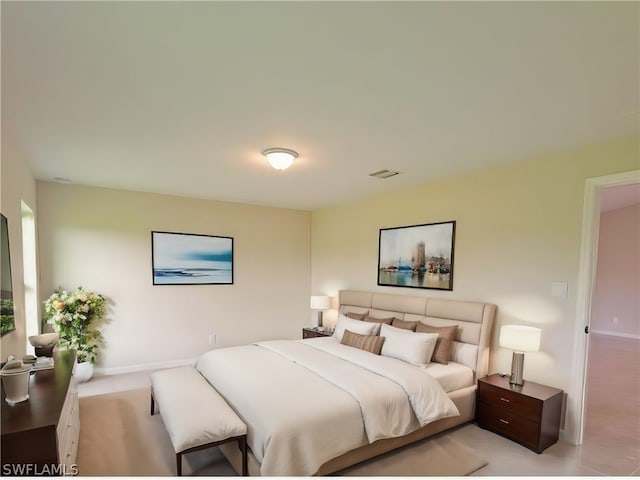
x: 528, y: 414
x: 312, y: 333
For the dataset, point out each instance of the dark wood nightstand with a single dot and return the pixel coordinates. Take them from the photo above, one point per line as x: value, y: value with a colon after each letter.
x: 528, y: 414
x: 312, y: 332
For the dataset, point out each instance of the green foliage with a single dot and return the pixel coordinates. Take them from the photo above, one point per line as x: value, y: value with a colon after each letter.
x: 75, y: 316
x: 7, y: 319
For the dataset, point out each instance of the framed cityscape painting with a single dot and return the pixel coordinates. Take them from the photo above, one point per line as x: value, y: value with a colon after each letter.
x: 417, y: 256
x: 191, y: 259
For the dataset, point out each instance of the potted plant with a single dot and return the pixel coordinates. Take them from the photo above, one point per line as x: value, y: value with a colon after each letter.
x: 75, y: 317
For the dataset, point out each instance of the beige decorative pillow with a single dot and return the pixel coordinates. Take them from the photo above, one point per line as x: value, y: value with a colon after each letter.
x: 444, y: 344
x: 370, y: 343
x: 356, y: 316
x: 388, y: 321
x: 404, y: 324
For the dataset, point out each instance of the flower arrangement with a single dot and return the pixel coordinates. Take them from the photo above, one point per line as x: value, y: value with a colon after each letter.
x: 73, y: 315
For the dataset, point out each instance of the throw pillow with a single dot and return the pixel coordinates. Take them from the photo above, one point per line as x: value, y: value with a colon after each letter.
x: 370, y: 343
x: 410, y: 347
x: 356, y: 326
x: 444, y: 344
x: 404, y: 324
x: 388, y: 321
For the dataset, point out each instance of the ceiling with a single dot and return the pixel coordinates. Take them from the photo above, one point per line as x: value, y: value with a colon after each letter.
x: 181, y: 97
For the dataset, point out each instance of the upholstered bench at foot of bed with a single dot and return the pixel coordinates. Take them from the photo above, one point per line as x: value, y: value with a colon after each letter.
x: 194, y: 414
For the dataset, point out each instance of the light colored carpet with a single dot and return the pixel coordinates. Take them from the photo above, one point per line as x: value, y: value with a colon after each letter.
x: 119, y: 437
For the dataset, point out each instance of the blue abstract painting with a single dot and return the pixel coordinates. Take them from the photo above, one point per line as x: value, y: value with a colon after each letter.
x: 191, y: 259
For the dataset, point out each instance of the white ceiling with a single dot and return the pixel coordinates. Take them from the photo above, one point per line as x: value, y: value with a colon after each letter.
x: 181, y: 97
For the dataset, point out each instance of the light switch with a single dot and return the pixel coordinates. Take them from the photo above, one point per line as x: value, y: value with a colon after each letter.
x: 559, y: 289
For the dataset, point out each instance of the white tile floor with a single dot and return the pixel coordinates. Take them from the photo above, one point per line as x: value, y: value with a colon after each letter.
x: 612, y: 440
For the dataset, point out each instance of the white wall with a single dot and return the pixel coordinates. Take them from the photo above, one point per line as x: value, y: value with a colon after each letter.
x: 17, y: 185
x: 617, y: 290
x: 101, y: 239
x: 518, y: 230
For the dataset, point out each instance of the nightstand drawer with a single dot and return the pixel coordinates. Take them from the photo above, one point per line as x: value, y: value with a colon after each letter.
x: 510, y: 402
x: 513, y: 426
x: 528, y: 414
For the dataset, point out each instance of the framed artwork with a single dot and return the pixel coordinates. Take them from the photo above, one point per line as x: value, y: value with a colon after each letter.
x: 417, y: 256
x: 191, y: 259
x: 7, y: 315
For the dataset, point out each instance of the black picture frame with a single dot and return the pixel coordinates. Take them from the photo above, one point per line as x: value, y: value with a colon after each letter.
x: 191, y: 259
x: 417, y: 256
x: 7, y: 313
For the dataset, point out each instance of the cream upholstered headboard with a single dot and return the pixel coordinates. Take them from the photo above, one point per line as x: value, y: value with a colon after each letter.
x: 474, y: 319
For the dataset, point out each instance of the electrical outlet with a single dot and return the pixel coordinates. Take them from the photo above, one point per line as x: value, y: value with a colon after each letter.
x: 615, y: 320
x: 212, y: 338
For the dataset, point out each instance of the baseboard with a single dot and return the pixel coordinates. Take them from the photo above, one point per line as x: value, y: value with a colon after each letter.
x: 144, y: 366
x: 611, y: 333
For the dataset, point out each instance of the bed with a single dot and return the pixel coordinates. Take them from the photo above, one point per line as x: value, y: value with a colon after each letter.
x: 316, y: 406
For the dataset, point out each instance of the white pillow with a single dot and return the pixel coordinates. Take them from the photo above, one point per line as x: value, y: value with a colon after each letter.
x: 465, y: 353
x: 408, y: 346
x: 355, y: 326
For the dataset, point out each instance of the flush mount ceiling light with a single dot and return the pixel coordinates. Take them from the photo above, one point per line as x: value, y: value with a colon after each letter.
x: 280, y: 158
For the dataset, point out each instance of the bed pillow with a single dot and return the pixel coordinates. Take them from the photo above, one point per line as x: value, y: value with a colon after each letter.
x: 370, y: 343
x: 388, y: 321
x: 444, y: 344
x: 411, y: 347
x: 356, y: 326
x: 404, y: 324
x: 356, y: 316
x: 377, y: 322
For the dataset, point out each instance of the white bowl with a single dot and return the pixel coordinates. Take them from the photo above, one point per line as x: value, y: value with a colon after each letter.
x: 44, y: 340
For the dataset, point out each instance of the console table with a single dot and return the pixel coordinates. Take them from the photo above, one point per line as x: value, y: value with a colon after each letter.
x: 40, y: 435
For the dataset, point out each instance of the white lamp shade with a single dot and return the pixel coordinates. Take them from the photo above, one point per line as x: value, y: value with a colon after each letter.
x: 280, y: 158
x: 320, y: 302
x: 520, y: 338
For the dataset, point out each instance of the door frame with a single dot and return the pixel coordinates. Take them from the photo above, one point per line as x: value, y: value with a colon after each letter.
x: 586, y: 284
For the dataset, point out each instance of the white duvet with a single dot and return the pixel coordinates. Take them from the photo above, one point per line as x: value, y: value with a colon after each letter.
x: 306, y: 402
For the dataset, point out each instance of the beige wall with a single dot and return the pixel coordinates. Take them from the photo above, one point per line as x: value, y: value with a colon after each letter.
x: 518, y: 230
x: 617, y: 290
x: 18, y: 185
x: 100, y: 239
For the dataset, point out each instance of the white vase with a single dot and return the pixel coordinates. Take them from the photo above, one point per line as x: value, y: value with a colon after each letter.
x: 15, y: 380
x: 83, y: 371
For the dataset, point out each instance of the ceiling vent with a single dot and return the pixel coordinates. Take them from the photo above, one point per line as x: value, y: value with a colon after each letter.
x: 383, y: 174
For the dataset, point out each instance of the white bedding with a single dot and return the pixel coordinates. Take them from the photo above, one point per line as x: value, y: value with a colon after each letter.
x: 307, y: 402
x: 453, y: 376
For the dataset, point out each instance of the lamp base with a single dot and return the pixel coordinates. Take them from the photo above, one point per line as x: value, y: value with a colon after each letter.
x: 517, y: 365
x: 319, y: 318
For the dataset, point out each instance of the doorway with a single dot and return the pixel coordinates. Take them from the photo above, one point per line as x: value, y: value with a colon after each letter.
x: 585, y: 289
x: 611, y: 433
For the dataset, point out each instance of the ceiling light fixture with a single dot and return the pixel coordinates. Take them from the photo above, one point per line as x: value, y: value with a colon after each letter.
x: 280, y: 158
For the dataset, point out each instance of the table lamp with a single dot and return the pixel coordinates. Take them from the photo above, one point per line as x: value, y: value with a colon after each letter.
x: 320, y: 303
x: 520, y: 339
